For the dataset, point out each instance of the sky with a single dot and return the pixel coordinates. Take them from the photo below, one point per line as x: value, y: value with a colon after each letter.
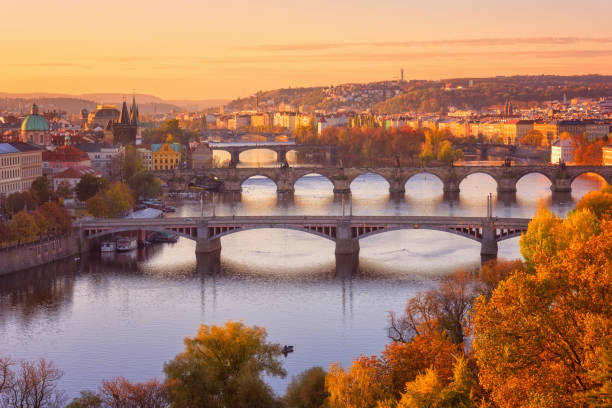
x: 199, y: 49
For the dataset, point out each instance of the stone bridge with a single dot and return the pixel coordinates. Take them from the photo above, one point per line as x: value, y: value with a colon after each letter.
x: 345, y: 232
x: 280, y: 149
x: 506, y: 177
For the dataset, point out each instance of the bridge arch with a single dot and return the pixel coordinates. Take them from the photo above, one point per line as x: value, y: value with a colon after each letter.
x: 250, y: 150
x: 473, y: 233
x: 435, y: 183
x: 113, y: 231
x: 327, y: 232
x: 533, y: 184
x: 588, y: 172
x: 465, y: 182
x: 302, y: 179
x: 256, y: 176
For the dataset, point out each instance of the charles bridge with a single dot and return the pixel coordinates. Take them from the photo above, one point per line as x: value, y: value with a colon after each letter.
x: 506, y: 177
x: 344, y: 231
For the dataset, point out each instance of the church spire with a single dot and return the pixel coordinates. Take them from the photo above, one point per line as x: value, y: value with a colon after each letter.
x: 124, y: 117
x: 134, y: 111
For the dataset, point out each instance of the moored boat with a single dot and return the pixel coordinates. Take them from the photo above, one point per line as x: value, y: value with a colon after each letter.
x: 126, y: 244
x: 107, y: 246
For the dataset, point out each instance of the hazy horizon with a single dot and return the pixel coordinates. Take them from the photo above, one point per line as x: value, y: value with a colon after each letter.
x: 209, y: 50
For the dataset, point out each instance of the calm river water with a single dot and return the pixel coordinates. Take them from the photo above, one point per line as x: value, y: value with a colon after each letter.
x: 126, y: 314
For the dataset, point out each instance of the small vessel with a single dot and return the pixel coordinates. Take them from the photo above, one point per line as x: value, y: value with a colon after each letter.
x: 163, y: 236
x: 107, y: 246
x: 126, y: 244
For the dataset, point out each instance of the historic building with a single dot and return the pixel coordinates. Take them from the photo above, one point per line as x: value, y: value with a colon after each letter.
x: 20, y: 165
x: 125, y: 129
x: 104, y: 157
x: 35, y: 129
x: 165, y: 156
x: 63, y: 158
x: 101, y: 116
x: 607, y: 155
x: 201, y: 156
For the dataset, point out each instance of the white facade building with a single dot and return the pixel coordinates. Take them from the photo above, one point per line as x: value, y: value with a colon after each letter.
x: 561, y: 151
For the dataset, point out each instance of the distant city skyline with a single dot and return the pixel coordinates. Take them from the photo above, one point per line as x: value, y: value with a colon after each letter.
x: 190, y: 49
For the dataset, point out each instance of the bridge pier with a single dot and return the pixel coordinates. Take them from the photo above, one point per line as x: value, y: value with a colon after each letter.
x: 281, y: 156
x: 208, y: 263
x: 489, y: 248
x: 284, y: 189
x: 205, y: 244
x: 561, y: 185
x: 341, y: 186
x: 235, y: 158
x: 396, y: 188
x: 505, y: 185
x: 345, y: 243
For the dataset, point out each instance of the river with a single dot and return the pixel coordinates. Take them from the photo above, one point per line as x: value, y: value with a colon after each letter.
x: 126, y: 314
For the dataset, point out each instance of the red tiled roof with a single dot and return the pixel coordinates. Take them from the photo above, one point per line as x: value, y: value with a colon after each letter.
x: 65, y: 154
x: 76, y: 172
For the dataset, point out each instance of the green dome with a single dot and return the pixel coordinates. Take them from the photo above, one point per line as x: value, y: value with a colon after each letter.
x: 34, y: 122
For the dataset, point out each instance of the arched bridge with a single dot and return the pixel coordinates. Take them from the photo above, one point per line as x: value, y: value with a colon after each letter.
x: 561, y: 177
x: 344, y: 231
x: 280, y: 149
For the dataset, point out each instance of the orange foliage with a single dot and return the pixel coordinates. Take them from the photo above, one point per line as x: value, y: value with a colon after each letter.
x: 587, y: 153
x: 404, y: 361
x: 539, y: 337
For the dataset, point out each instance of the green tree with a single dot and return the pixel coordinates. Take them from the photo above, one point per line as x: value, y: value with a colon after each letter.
x: 89, y: 186
x: 146, y: 184
x: 307, y: 390
x: 64, y: 190
x: 222, y: 367
x: 116, y: 200
x: 87, y: 399
x: 131, y: 163
x: 41, y: 189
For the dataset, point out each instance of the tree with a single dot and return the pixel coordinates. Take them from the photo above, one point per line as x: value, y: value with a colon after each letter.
x: 131, y: 163
x: 23, y: 227
x: 32, y: 385
x: 145, y: 184
x: 443, y: 308
x: 116, y: 200
x: 598, y: 202
x: 448, y: 154
x: 307, y: 390
x: 121, y: 393
x: 64, y: 190
x: 362, y: 386
x: 222, y: 367
x: 87, y: 399
x: 41, y: 189
x: 89, y: 186
x: 539, y: 339
x: 532, y: 138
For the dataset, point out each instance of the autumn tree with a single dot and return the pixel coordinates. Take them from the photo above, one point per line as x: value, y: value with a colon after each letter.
x: 27, y: 384
x: 23, y: 227
x: 443, y: 308
x: 539, y: 339
x: 121, y: 393
x: 222, y: 367
x: 448, y: 154
x: 117, y: 199
x: 361, y: 386
x: 532, y: 138
x: 307, y: 390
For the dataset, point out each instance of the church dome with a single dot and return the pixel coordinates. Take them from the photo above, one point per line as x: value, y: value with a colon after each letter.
x: 34, y: 122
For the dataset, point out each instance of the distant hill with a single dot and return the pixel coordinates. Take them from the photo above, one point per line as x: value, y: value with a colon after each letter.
x: 430, y: 96
x: 72, y: 104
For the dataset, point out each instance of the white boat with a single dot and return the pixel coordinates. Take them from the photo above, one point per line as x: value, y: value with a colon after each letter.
x: 126, y: 244
x: 107, y: 246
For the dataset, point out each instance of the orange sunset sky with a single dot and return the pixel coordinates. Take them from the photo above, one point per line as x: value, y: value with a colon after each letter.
x: 187, y: 49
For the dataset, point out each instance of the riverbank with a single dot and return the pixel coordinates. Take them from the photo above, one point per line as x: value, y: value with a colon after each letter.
x: 25, y: 256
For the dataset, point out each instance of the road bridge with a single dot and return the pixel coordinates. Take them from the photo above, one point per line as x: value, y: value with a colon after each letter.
x: 280, y: 149
x: 506, y: 177
x: 345, y: 232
